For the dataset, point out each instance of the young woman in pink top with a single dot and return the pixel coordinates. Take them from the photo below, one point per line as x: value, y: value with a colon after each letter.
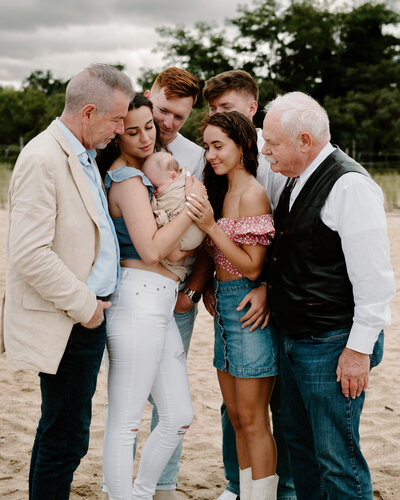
x: 238, y: 221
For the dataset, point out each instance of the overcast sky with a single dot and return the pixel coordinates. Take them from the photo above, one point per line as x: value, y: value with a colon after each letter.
x: 64, y: 36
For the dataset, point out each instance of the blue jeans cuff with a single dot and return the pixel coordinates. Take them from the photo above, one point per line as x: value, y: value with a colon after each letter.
x: 166, y: 487
x: 233, y: 488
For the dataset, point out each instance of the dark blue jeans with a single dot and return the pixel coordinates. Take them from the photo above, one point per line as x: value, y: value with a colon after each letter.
x: 321, y: 426
x: 283, y: 468
x: 62, y: 436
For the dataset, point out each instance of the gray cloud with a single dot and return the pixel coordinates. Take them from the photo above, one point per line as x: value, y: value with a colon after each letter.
x: 64, y: 36
x: 30, y: 14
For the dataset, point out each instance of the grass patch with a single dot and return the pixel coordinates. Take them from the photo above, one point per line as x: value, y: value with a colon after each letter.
x: 389, y: 181
x: 5, y: 175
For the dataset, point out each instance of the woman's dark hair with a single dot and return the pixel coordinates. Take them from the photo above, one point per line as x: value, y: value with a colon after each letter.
x: 106, y: 157
x: 243, y: 133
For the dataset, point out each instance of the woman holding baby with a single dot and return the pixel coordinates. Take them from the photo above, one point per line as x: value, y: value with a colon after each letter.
x: 143, y: 341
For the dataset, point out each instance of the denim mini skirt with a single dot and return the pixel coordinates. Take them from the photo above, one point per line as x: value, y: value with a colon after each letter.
x: 242, y: 353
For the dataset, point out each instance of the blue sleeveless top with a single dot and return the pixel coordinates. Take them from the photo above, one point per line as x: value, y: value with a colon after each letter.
x: 128, y: 251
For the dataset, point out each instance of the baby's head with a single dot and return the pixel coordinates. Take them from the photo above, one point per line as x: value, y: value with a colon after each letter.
x: 161, y: 169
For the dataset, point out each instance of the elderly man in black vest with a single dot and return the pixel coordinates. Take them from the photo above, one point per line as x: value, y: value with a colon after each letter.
x: 329, y: 286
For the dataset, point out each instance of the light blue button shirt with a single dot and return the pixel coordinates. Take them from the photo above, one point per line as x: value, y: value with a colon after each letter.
x: 104, y: 276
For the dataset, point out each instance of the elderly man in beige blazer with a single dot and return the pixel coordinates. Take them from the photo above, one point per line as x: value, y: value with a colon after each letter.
x: 62, y: 263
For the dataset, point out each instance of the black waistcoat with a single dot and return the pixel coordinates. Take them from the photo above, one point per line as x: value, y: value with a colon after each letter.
x: 309, y: 290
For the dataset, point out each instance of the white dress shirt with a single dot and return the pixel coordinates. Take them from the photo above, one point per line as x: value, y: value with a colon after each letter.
x: 354, y: 209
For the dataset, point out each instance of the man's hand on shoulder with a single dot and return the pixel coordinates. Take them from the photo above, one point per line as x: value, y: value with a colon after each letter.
x: 353, y: 372
x: 98, y: 315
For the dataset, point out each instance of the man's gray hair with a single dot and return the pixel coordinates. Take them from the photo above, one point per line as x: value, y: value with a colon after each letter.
x: 95, y: 85
x: 301, y: 113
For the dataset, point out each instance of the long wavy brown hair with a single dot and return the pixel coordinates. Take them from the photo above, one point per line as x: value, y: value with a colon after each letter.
x: 243, y: 133
x: 106, y: 157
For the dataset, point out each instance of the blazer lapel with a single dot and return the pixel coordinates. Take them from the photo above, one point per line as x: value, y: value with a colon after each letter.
x: 77, y: 172
x: 83, y: 186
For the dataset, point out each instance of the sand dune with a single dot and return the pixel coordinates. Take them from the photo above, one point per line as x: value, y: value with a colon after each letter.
x: 201, y: 476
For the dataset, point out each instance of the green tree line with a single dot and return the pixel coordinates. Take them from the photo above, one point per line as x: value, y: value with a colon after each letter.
x: 347, y: 58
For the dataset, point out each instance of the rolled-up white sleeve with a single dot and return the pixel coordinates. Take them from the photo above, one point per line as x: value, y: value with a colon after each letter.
x: 354, y: 208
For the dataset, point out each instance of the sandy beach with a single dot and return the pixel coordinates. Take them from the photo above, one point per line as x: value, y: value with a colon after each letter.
x: 201, y: 476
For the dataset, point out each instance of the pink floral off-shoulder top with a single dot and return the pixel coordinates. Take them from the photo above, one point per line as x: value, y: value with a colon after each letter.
x: 256, y: 230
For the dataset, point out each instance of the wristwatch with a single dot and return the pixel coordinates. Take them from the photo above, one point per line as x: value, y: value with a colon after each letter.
x: 192, y: 294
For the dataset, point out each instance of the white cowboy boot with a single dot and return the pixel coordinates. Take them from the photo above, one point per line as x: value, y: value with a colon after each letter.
x: 264, y: 489
x: 245, y: 483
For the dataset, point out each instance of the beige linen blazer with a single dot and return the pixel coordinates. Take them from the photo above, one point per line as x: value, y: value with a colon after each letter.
x: 52, y: 245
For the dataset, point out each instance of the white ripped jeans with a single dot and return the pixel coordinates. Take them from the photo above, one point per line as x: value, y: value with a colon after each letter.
x: 146, y: 356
